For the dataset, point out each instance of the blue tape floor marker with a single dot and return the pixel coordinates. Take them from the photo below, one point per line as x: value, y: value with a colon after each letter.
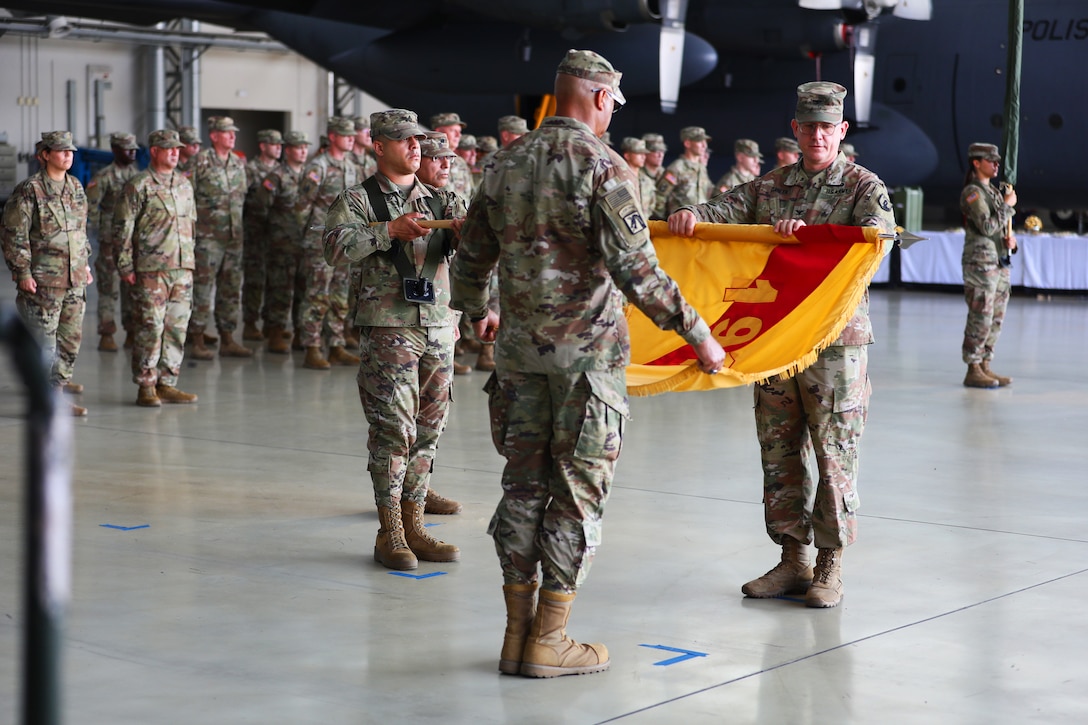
x: 125, y: 528
x: 416, y: 576
x: 685, y: 654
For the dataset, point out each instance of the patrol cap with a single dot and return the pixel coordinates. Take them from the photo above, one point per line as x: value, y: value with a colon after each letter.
x: 340, y: 126
x: 748, y: 147
x: 165, y: 138
x: 269, y: 135
x: 447, y: 119
x: 296, y: 138
x: 513, y: 124
x: 786, y: 144
x: 984, y: 151
x: 396, y: 123
x: 606, y: 138
x: 468, y: 142
x: 221, y: 123
x: 848, y: 149
x: 633, y: 145
x: 693, y: 133
x: 123, y: 141
x: 592, y: 67
x: 486, y: 144
x: 362, y: 123
x: 820, y: 102
x: 188, y: 135
x: 436, y: 146
x: 654, y: 142
x: 58, y: 141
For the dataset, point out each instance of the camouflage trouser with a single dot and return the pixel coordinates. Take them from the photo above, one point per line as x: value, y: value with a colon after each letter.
x: 254, y: 264
x: 55, y: 316
x: 218, y: 267
x: 986, y: 305
x: 111, y: 290
x: 405, y: 380
x: 314, y: 311
x: 285, y: 286
x: 561, y: 436
x: 817, y: 414
x: 341, y: 313
x: 163, y: 302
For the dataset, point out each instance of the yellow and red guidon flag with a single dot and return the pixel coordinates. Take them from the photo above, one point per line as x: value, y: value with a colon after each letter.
x: 772, y: 303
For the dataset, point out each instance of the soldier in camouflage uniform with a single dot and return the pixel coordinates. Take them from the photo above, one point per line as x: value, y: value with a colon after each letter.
x: 325, y: 303
x: 467, y: 150
x: 255, y: 224
x: 786, y: 152
x: 654, y: 168
x: 819, y: 412
x: 45, y: 247
x: 155, y: 222
x: 634, y: 153
x: 685, y: 181
x: 276, y: 197
x: 511, y: 128
x: 102, y: 192
x: 363, y: 150
x: 219, y: 185
x: 406, y: 330
x: 746, y: 168
x: 486, y: 146
x: 191, y: 138
x: 460, y: 172
x: 570, y: 243
x: 849, y: 152
x: 987, y: 244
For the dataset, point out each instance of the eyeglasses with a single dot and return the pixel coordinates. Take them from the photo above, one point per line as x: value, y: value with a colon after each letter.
x: 825, y: 129
x: 617, y: 101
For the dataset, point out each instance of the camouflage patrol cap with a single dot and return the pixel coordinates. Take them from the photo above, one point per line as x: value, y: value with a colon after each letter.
x: 486, y: 144
x: 164, y: 138
x: 123, y: 141
x: 396, y: 123
x: 786, y: 144
x: 221, y: 123
x: 340, y: 126
x: 592, y: 67
x: 436, y: 146
x: 296, y: 138
x: 819, y: 102
x: 633, y: 145
x: 57, y: 141
x: 693, y: 133
x: 269, y: 135
x: 513, y: 124
x: 447, y: 119
x: 748, y: 147
x: 468, y: 142
x: 654, y: 142
x: 848, y: 149
x: 606, y: 138
x: 188, y: 135
x: 984, y: 151
x: 362, y: 123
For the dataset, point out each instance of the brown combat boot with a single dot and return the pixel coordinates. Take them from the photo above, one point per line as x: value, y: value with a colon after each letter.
x: 147, y: 397
x: 826, y: 589
x: 461, y: 369
x: 549, y: 652
x: 792, y: 575
x: 277, y: 343
x: 229, y: 348
x: 78, y: 411
x: 390, y: 548
x: 210, y: 340
x: 71, y: 388
x: 351, y: 339
x: 170, y: 394
x: 106, y: 343
x: 340, y: 356
x: 976, y: 378
x: 422, y: 544
x: 1002, y: 380
x: 130, y: 339
x: 520, y: 613
x: 251, y: 332
x: 439, y: 504
x: 200, y: 349
x: 315, y: 360
x: 486, y: 359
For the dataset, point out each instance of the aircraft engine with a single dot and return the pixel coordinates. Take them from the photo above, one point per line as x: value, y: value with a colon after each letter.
x: 587, y: 15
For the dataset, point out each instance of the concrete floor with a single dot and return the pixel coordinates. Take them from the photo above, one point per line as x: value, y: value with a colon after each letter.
x: 251, y: 595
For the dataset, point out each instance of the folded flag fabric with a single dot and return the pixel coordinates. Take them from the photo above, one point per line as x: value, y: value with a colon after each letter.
x: 772, y: 303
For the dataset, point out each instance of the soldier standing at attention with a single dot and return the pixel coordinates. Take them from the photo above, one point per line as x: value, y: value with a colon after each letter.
x: 219, y: 185
x: 102, y: 192
x: 191, y: 138
x: 511, y: 128
x: 988, y: 241
x: 467, y: 150
x: 255, y: 223
x: 155, y: 219
x: 570, y: 243
x: 45, y: 247
x: 850, y: 153
x: 685, y: 181
x: 406, y: 330
x: 819, y: 412
x: 460, y: 173
x: 634, y: 153
x: 655, y: 155
x: 786, y: 152
x: 746, y: 168
x: 363, y: 150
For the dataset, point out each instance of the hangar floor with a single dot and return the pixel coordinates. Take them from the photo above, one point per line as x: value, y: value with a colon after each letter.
x: 250, y: 595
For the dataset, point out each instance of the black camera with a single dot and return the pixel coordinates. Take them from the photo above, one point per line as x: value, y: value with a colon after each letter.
x: 420, y: 291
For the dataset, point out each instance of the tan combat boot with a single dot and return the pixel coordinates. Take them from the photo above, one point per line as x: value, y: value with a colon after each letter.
x: 229, y: 348
x: 130, y: 339
x: 200, y: 348
x: 170, y: 394
x: 390, y: 548
x: 422, y: 544
x: 147, y: 397
x: 976, y: 378
x: 461, y: 369
x: 251, y: 332
x: 792, y: 575
x: 826, y: 589
x: 1002, y: 380
x: 340, y: 356
x: 277, y: 343
x: 486, y: 359
x: 315, y: 360
x: 71, y: 388
x: 520, y: 613
x: 439, y: 504
x: 549, y: 652
x: 351, y: 339
x: 106, y: 343
x: 78, y: 411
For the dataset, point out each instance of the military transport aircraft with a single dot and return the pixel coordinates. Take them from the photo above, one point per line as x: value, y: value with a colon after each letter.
x: 937, y: 84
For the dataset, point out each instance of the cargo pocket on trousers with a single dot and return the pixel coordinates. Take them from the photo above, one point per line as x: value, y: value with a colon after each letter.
x: 606, y: 413
x: 497, y: 411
